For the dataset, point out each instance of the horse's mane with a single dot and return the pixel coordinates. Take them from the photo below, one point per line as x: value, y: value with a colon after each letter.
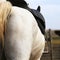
x: 5, y: 10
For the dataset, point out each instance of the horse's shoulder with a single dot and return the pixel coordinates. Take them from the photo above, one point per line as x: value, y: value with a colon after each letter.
x: 21, y: 13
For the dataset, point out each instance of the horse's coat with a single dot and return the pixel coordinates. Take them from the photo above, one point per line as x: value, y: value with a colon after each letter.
x: 23, y: 38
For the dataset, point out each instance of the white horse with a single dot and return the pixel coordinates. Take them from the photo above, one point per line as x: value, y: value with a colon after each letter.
x: 23, y: 38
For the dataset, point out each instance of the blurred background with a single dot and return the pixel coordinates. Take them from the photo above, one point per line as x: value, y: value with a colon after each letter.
x: 50, y: 9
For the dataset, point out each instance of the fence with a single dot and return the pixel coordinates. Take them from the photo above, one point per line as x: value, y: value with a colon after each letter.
x: 53, y: 48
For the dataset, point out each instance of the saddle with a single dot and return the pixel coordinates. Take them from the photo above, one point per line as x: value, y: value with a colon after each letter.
x: 39, y: 18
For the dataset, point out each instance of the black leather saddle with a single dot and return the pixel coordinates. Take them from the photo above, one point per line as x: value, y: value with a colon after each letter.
x: 39, y: 18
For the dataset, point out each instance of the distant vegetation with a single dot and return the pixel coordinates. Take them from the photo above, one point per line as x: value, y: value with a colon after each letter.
x: 57, y: 32
x: 54, y: 34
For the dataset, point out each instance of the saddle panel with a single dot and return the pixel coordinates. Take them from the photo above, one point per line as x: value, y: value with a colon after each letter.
x: 39, y: 18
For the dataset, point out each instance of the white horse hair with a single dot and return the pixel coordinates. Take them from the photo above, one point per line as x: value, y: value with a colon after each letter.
x: 2, y: 0
x: 23, y: 38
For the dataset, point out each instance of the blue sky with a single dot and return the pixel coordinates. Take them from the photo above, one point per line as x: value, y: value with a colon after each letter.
x: 50, y: 10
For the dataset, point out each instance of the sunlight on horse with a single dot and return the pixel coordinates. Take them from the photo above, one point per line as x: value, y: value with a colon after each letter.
x: 23, y: 38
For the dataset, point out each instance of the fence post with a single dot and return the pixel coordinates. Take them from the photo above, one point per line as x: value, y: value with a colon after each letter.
x: 50, y: 39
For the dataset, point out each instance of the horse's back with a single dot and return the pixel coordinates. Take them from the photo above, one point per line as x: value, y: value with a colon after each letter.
x: 20, y: 19
x: 19, y: 34
x: 22, y: 36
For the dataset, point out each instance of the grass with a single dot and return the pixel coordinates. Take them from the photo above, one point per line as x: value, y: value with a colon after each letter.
x: 55, y: 41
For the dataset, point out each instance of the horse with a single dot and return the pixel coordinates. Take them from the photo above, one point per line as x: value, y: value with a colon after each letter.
x: 20, y: 35
x: 35, y: 12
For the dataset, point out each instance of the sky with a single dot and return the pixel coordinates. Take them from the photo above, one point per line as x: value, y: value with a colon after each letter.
x: 50, y: 10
